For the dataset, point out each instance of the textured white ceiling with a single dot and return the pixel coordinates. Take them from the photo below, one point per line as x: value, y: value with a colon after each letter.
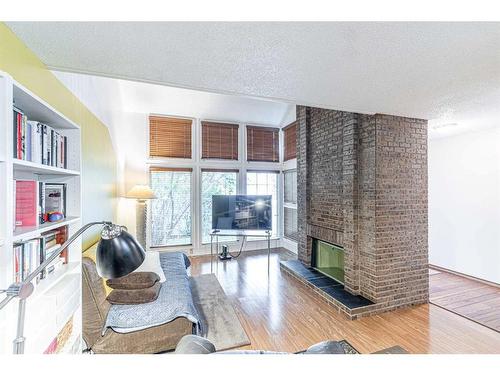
x: 447, y: 72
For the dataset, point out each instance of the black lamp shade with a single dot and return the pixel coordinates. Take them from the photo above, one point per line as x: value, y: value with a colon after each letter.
x: 118, y: 256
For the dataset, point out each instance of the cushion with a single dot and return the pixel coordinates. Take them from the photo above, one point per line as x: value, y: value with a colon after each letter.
x: 191, y: 344
x: 134, y: 280
x: 152, y: 264
x: 134, y: 296
x: 326, y: 347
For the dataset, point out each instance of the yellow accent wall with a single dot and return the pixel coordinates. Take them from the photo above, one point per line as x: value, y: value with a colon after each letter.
x: 98, y: 157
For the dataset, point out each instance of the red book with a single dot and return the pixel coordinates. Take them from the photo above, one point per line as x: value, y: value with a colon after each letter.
x: 26, y: 203
x: 19, y: 136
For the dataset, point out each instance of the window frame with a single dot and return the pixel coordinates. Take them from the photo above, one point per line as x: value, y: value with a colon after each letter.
x: 191, y: 213
x: 276, y: 233
x: 296, y: 224
x: 204, y: 169
x: 289, y: 166
x: 197, y: 164
x: 286, y: 203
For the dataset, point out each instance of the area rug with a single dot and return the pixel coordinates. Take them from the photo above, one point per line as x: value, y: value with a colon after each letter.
x: 220, y: 323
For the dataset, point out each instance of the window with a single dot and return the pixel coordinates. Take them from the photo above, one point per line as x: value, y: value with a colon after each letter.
x: 290, y: 183
x: 262, y: 144
x: 169, y: 137
x: 290, y: 223
x: 290, y: 203
x: 214, y: 182
x: 219, y: 141
x: 290, y: 141
x: 171, y: 211
x: 265, y: 183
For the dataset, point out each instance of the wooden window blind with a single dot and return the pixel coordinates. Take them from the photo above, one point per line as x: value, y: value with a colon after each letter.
x: 169, y: 137
x: 290, y: 141
x: 169, y: 169
x: 219, y: 140
x: 290, y: 224
x: 262, y: 144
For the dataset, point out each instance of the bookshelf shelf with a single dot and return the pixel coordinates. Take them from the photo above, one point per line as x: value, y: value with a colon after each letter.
x: 40, y: 169
x: 24, y: 233
x: 57, y: 297
x: 53, y: 280
x: 39, y: 109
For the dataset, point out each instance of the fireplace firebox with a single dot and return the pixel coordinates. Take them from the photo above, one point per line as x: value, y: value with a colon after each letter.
x: 328, y: 259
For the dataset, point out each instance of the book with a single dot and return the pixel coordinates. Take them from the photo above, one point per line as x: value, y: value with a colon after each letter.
x: 51, y: 198
x: 62, y: 237
x: 37, y: 142
x: 52, y: 241
x: 26, y: 203
x: 18, y: 133
x: 23, y: 137
x: 27, y: 136
x: 27, y: 258
x: 45, y: 148
x: 54, y: 198
x: 18, y: 261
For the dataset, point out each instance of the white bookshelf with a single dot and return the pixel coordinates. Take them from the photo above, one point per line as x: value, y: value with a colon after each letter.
x: 58, y: 297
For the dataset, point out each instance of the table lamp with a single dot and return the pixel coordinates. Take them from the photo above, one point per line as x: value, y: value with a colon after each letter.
x: 141, y: 193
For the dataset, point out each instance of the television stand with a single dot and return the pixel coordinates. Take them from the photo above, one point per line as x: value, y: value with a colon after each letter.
x: 234, y: 233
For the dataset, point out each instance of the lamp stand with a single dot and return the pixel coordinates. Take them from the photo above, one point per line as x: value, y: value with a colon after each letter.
x: 25, y: 288
x: 140, y: 217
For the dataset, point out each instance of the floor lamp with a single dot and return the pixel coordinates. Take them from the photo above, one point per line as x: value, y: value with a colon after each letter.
x: 141, y: 193
x: 118, y: 254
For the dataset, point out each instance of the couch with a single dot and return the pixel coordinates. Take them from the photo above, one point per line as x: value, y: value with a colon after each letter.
x: 192, y: 344
x: 95, y: 309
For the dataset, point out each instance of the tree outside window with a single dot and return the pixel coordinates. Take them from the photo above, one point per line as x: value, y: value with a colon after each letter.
x: 214, y: 183
x: 172, y: 208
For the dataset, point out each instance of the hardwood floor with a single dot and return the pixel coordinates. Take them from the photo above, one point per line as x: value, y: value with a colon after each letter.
x: 279, y: 313
x: 472, y: 299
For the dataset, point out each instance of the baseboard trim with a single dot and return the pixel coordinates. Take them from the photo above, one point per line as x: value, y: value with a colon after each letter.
x: 442, y: 269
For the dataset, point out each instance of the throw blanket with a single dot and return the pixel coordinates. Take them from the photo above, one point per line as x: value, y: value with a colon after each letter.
x: 174, y: 300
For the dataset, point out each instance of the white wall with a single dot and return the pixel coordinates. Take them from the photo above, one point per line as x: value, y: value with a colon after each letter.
x: 464, y: 203
x: 124, y: 106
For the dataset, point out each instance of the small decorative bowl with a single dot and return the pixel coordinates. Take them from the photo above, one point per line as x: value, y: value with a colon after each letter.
x: 55, y: 216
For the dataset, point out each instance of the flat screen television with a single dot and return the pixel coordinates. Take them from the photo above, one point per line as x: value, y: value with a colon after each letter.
x: 242, y: 212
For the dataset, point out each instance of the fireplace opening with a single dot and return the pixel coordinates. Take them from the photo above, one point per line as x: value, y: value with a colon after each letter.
x: 328, y: 259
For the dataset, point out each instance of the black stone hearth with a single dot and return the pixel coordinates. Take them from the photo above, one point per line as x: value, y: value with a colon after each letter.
x: 331, y: 289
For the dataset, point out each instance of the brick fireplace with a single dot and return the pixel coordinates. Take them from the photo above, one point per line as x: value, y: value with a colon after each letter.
x: 362, y: 186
